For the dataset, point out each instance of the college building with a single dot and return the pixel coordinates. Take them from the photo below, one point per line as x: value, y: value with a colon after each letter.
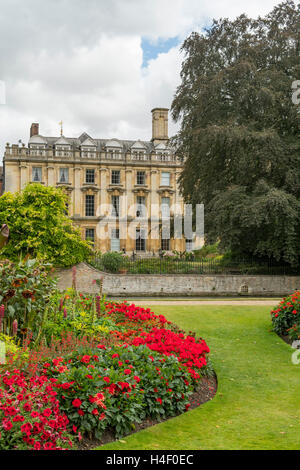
x: 119, y: 191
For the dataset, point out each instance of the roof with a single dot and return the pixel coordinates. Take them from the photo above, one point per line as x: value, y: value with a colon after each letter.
x: 101, y: 144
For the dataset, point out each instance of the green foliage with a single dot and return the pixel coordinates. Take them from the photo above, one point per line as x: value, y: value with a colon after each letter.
x: 130, y: 380
x: 39, y: 227
x: 240, y: 132
x: 112, y: 261
x: 76, y: 313
x: 208, y: 251
x: 25, y: 290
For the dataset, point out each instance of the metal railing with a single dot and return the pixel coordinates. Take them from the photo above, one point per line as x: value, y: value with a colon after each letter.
x: 161, y: 265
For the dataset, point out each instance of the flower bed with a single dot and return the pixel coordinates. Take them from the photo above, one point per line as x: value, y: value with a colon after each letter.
x: 99, y: 368
x: 286, y: 317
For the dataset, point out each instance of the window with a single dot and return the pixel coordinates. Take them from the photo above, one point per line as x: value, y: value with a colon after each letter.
x: 90, y: 235
x: 140, y: 177
x: 115, y: 177
x: 165, y: 244
x: 165, y: 179
x: 140, y: 240
x: 63, y: 175
x: 165, y: 207
x: 37, y: 174
x: 89, y: 205
x: 115, y: 240
x: 115, y: 202
x: 140, y: 206
x: 189, y: 245
x: 90, y: 176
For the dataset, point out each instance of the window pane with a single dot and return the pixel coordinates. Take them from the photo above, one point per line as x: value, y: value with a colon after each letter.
x: 140, y: 206
x: 90, y: 176
x: 165, y: 179
x: 140, y: 177
x: 115, y: 202
x: 115, y: 177
x: 115, y: 240
x: 165, y: 207
x: 89, y: 205
x: 189, y: 245
x: 63, y: 175
x: 165, y: 244
x: 37, y: 174
x: 90, y: 235
x: 140, y: 241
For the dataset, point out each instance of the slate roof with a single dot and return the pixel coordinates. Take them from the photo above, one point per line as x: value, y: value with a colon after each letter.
x: 100, y: 143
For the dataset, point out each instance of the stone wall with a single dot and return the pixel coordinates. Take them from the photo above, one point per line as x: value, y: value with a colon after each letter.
x: 126, y: 285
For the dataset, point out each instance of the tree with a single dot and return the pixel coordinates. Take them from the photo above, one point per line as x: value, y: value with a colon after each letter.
x: 40, y: 228
x: 240, y: 131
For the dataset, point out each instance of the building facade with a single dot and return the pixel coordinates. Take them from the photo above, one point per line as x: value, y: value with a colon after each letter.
x: 120, y: 192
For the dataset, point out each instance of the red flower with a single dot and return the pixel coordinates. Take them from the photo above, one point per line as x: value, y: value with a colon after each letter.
x: 76, y: 403
x: 127, y: 371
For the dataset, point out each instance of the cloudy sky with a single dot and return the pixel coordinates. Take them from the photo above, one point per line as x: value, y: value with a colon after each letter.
x: 98, y: 65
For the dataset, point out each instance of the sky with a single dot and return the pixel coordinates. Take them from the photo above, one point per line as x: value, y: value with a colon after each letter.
x: 100, y: 66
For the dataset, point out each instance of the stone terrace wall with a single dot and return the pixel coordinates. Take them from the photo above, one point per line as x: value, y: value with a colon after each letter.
x: 126, y: 285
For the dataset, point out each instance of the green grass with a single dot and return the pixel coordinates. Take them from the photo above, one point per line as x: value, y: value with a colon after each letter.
x: 257, y: 405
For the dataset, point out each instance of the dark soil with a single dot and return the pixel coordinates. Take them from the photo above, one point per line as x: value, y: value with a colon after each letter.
x: 286, y: 339
x: 205, y: 392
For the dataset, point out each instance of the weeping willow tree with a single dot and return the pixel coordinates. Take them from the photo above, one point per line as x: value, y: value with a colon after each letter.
x: 240, y: 131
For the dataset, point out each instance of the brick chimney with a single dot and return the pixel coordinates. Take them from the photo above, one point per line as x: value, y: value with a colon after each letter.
x: 34, y: 130
x: 160, y: 125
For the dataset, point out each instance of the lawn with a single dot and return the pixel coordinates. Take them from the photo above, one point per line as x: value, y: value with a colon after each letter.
x: 257, y: 405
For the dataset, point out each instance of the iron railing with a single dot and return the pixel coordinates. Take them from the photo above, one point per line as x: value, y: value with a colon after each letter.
x: 161, y: 265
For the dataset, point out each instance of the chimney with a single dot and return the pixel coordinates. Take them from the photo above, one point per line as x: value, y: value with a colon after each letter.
x: 34, y: 130
x: 159, y: 125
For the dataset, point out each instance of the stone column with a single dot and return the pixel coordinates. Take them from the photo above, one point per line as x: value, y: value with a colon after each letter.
x: 77, y: 192
x: 23, y: 175
x: 50, y: 176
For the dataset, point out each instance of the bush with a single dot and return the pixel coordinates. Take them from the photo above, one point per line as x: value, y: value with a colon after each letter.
x: 286, y: 316
x: 25, y: 290
x: 40, y: 228
x: 112, y: 261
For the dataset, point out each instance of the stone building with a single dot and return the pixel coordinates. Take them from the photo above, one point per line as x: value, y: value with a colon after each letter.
x: 119, y: 191
x: 1, y: 180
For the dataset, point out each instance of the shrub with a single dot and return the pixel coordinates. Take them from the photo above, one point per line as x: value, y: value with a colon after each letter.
x: 25, y: 290
x: 112, y: 261
x: 40, y: 228
x: 286, y: 316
